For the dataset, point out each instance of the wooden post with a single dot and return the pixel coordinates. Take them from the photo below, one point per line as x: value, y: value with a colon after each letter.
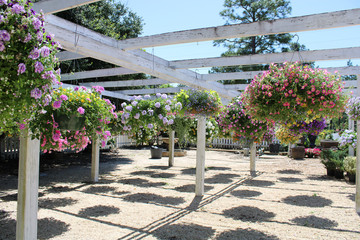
x: 95, y: 156
x: 28, y: 185
x: 171, y: 148
x: 351, y: 127
x: 357, y: 180
x: 200, y: 156
x: 253, y: 158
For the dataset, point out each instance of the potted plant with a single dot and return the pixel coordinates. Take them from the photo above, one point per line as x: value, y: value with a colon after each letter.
x: 350, y: 167
x: 85, y: 107
x: 201, y: 102
x: 333, y: 161
x: 144, y: 118
x: 28, y: 64
x: 233, y: 119
x: 292, y: 92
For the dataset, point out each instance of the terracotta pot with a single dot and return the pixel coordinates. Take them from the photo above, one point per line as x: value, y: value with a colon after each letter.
x: 329, y: 143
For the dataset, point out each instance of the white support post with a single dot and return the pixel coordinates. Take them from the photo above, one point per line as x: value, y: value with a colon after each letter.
x: 351, y: 127
x: 357, y: 180
x: 171, y: 148
x: 95, y: 156
x: 253, y: 158
x: 200, y: 156
x: 28, y: 186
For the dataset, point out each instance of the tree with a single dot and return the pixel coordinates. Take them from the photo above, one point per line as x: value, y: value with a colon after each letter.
x: 248, y: 11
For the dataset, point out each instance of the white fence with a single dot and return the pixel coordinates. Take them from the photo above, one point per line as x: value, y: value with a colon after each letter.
x: 9, y: 148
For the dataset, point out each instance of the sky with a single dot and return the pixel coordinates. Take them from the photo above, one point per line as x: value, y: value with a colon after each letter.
x: 161, y: 16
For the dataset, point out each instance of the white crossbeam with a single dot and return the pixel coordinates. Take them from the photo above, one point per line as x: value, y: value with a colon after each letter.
x: 353, y: 70
x: 152, y: 91
x: 66, y: 56
x: 108, y: 72
x: 286, y: 25
x: 53, y: 6
x: 98, y: 46
x: 305, y: 56
x: 104, y: 93
x: 129, y: 83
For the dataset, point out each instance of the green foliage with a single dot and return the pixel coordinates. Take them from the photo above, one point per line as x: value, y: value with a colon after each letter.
x: 181, y: 127
x: 350, y: 165
x: 333, y: 159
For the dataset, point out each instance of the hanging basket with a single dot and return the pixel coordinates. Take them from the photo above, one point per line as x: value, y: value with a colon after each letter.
x: 69, y: 122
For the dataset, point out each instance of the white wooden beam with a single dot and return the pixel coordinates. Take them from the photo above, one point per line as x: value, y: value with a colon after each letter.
x: 28, y: 185
x: 95, y: 159
x: 171, y: 147
x: 357, y: 178
x: 152, y: 91
x: 304, y: 56
x: 200, y: 156
x: 108, y: 72
x: 253, y: 159
x: 53, y: 6
x: 67, y: 56
x: 129, y: 83
x: 104, y: 93
x: 98, y: 46
x: 236, y: 86
x: 287, y: 25
x: 353, y: 70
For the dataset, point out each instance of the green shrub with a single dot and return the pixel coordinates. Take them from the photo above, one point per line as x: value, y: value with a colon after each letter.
x: 350, y: 165
x: 333, y: 159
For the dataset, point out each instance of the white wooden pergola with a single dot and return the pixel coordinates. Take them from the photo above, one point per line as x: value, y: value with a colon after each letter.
x: 126, y: 54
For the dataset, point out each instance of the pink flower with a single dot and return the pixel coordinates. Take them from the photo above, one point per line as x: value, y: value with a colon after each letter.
x: 57, y: 104
x: 81, y: 110
x: 22, y: 126
x: 64, y: 97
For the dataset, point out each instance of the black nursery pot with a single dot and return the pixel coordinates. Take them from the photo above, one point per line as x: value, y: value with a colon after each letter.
x: 330, y: 172
x: 71, y: 122
x: 339, y: 174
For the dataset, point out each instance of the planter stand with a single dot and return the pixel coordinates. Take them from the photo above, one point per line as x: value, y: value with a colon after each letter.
x: 171, y: 148
x: 253, y: 159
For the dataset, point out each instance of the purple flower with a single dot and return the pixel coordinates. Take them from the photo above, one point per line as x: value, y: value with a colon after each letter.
x: 157, y: 105
x: 39, y: 67
x: 36, y: 93
x: 161, y: 116
x: 143, y: 112
x: 4, y: 35
x: 171, y: 121
x: 2, y: 46
x: 17, y: 9
x: 126, y: 115
x: 21, y: 68
x: 99, y: 89
x: 165, y: 120
x: 151, y: 112
x: 158, y: 94
x: 147, y: 96
x: 2, y: 2
x: 137, y: 116
x: 45, y: 51
x: 34, y: 54
x: 81, y: 110
x: 22, y: 126
x: 167, y: 107
x: 76, y: 88
x: 63, y: 97
x: 164, y: 96
x: 36, y: 23
x: 27, y: 38
x: 57, y: 104
x: 150, y: 126
x: 129, y: 108
x: 134, y: 103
